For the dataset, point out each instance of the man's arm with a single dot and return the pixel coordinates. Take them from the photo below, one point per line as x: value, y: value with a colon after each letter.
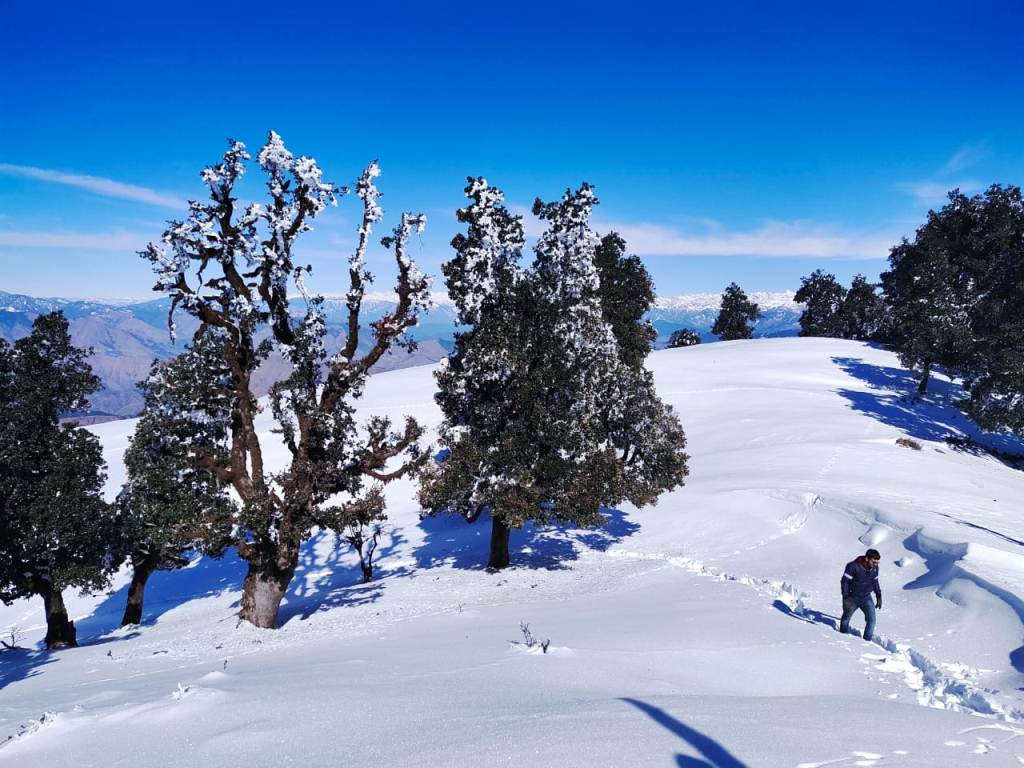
x: 847, y: 580
x: 878, y: 593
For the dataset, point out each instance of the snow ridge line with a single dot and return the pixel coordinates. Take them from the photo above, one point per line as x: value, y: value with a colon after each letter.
x: 939, y: 686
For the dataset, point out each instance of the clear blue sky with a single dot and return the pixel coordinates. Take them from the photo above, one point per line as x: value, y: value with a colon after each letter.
x: 750, y: 142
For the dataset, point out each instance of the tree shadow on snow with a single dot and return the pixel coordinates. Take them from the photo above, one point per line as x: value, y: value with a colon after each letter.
x: 943, y: 568
x: 714, y: 754
x: 894, y: 400
x: 22, y: 663
x: 165, y: 591
x: 326, y: 579
x: 450, y: 540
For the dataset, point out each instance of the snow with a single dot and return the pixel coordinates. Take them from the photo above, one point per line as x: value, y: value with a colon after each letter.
x: 700, y: 632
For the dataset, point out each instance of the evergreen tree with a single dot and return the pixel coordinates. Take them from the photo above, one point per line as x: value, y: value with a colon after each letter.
x: 822, y: 297
x: 862, y: 311
x: 56, y: 529
x: 684, y: 337
x: 232, y: 268
x: 169, y: 507
x: 535, y: 393
x: 994, y: 373
x: 735, y: 314
x: 929, y: 290
x: 626, y: 293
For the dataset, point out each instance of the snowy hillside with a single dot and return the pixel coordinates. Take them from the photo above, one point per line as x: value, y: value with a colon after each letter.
x: 700, y: 632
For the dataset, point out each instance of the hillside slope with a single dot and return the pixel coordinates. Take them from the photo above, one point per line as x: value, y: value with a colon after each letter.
x: 698, y: 632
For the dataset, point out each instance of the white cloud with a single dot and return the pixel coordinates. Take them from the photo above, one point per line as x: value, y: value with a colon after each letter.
x: 774, y: 239
x: 964, y: 157
x: 96, y: 184
x: 99, y: 241
x: 936, y: 192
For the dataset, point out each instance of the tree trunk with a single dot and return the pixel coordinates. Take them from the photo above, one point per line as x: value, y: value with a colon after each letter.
x: 499, y: 544
x: 923, y: 386
x: 262, y: 592
x: 60, y: 631
x: 367, y: 569
x: 140, y: 575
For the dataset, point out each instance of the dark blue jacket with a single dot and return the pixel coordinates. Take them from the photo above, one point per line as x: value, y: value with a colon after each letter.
x: 860, y: 580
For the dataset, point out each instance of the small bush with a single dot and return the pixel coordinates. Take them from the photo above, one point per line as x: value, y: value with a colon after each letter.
x: 906, y: 442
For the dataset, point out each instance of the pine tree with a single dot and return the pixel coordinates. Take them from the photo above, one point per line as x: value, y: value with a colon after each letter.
x: 535, y: 392
x: 994, y: 373
x: 684, y: 337
x: 169, y: 507
x: 735, y: 314
x: 863, y: 311
x: 55, y: 528
x: 929, y: 290
x: 822, y: 297
x: 231, y: 268
x: 626, y: 293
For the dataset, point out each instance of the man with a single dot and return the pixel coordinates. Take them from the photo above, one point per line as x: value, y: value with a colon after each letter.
x: 859, y: 580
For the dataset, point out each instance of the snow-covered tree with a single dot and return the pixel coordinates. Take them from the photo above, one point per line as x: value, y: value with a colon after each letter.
x: 822, y: 297
x: 684, y: 337
x: 169, y: 506
x: 55, y: 529
x: 233, y: 269
x: 735, y: 315
x: 535, y: 392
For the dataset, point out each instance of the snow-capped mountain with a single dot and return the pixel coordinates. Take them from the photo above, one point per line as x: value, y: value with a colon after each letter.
x: 128, y: 334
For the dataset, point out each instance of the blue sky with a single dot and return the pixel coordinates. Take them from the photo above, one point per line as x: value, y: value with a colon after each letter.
x: 750, y: 141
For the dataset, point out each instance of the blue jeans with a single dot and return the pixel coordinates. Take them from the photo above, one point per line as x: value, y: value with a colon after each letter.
x: 850, y: 605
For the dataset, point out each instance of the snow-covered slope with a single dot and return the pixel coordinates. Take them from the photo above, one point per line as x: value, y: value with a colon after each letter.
x: 700, y: 632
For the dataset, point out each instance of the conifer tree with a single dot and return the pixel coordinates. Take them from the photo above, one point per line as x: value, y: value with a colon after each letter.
x: 170, y: 507
x: 994, y: 373
x: 822, y: 297
x: 55, y: 528
x: 232, y: 268
x: 535, y: 392
x: 929, y: 290
x: 862, y: 311
x: 735, y: 315
x: 684, y: 337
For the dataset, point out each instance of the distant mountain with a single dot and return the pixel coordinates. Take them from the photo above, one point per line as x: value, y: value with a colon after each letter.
x: 128, y: 334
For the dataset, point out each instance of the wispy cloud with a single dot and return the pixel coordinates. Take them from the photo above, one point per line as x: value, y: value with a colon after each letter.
x: 935, y: 192
x: 772, y: 240
x: 96, y: 184
x: 964, y: 157
x: 91, y: 241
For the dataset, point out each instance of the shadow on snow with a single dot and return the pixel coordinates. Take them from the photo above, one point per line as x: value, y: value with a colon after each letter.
x: 894, y: 400
x: 450, y: 540
x: 943, y: 568
x: 714, y: 754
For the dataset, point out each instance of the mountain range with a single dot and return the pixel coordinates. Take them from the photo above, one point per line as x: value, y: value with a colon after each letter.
x: 126, y: 335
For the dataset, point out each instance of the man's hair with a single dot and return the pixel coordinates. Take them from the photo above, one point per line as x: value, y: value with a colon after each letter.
x: 872, y: 554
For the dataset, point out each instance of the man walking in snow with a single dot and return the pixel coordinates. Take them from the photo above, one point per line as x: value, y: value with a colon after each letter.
x: 859, y: 580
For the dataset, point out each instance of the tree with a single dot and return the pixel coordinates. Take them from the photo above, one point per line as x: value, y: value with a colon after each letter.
x: 169, y: 506
x: 863, y: 311
x: 232, y: 270
x: 994, y: 374
x: 534, y: 394
x: 822, y: 297
x: 626, y: 293
x: 735, y: 313
x: 684, y: 337
x: 56, y: 528
x: 929, y: 290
